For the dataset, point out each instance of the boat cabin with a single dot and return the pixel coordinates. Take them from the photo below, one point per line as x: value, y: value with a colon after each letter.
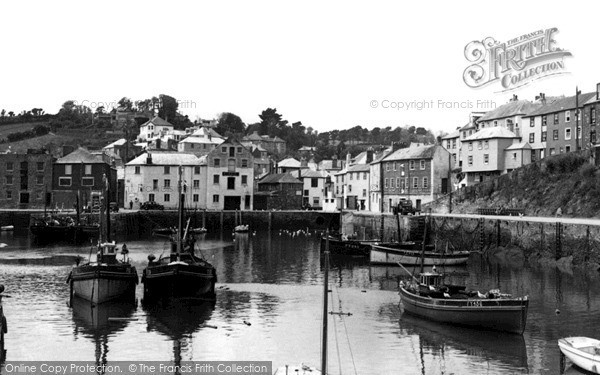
x: 431, y: 279
x: 107, y: 253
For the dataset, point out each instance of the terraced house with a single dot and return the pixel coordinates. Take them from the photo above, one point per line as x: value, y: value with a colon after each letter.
x: 25, y: 178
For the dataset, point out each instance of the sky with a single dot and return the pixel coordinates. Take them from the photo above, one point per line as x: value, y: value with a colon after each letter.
x: 332, y: 65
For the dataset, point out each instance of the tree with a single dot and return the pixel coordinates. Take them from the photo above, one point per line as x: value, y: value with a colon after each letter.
x: 168, y: 108
x: 100, y: 110
x: 230, y: 123
x: 125, y: 104
x: 421, y: 131
x: 11, y: 114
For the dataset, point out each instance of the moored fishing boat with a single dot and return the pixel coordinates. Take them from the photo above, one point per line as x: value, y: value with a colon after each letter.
x: 107, y: 278
x: 453, y: 304
x: 181, y: 273
x: 343, y: 245
x: 582, y: 351
x: 409, y: 253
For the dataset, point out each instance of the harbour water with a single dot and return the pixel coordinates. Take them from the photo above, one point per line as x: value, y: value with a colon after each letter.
x: 268, y: 307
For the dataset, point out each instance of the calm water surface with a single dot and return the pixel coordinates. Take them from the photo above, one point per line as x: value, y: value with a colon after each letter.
x: 269, y: 308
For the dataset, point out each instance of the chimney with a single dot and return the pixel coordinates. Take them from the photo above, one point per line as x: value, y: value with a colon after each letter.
x: 369, y: 155
x: 597, y: 91
x: 149, y: 158
x: 514, y: 98
x: 303, y: 162
x: 334, y: 162
x: 348, y: 158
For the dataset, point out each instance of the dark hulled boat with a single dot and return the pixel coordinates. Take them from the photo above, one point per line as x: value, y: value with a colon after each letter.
x: 342, y: 245
x: 430, y: 299
x: 107, y: 278
x: 181, y: 273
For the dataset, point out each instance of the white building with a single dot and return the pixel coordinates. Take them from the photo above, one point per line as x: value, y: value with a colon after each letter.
x: 200, y: 142
x: 154, y: 177
x: 314, y: 189
x: 154, y: 128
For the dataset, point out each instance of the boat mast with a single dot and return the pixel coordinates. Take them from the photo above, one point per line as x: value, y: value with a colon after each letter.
x: 325, y: 300
x: 107, y: 207
x: 180, y: 211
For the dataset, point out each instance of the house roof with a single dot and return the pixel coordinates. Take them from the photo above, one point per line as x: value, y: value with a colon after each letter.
x: 253, y: 137
x: 328, y: 164
x: 203, y: 131
x: 81, y: 155
x: 307, y: 148
x: 166, y: 158
x: 454, y: 134
x: 561, y: 104
x: 280, y: 178
x: 157, y: 121
x: 359, y: 168
x: 419, y: 152
x: 213, y: 141
x: 512, y: 108
x: 493, y: 132
x: 309, y: 173
x: 519, y: 146
x: 118, y: 142
x: 289, y: 163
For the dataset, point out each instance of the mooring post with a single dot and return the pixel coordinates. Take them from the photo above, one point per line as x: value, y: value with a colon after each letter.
x: 558, y: 245
x: 587, y: 243
x: 204, y: 218
x: 221, y: 220
x: 497, y: 233
x: 382, y: 226
x: 270, y: 220
x: 481, y: 234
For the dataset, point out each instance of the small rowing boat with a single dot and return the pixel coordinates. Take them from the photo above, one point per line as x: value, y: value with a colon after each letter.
x: 582, y: 351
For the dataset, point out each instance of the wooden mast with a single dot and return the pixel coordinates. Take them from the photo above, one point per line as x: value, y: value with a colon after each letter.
x: 180, y: 211
x: 107, y: 207
x: 325, y: 300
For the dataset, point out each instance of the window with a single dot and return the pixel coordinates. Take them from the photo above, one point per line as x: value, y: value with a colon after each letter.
x: 195, y: 197
x: 391, y: 183
x: 593, y: 136
x: 555, y: 118
x: 137, y: 169
x: 552, y: 151
x: 9, y: 180
x: 197, y: 170
x: 239, y: 150
x: 486, y: 158
x: 40, y: 166
x: 567, y: 148
x: 422, y: 164
x: 486, y: 145
x: 495, y: 122
x: 244, y: 163
x: 217, y: 163
x: 39, y: 195
x: 167, y: 197
x: 479, y: 145
x: 87, y: 181
x: 231, y: 152
x: 514, y: 156
x: 385, y: 183
x: 231, y: 165
x: 247, y: 201
x: 397, y: 182
x: 8, y: 194
x: 9, y: 166
x: 216, y: 179
x: 39, y: 179
x: 579, y: 132
x: 544, y: 135
x: 223, y: 150
x: 314, y: 182
x: 350, y: 174
x: 315, y: 201
x: 68, y: 169
x: 533, y: 156
x: 453, y: 158
x: 216, y: 198
x: 470, y: 146
x: 532, y: 122
x: 454, y: 143
x: 364, y: 192
x: 364, y: 175
x: 394, y: 165
x: 387, y: 166
x: 167, y: 184
x: 411, y: 165
x: 167, y: 169
x: 592, y: 115
x: 88, y: 169
x: 64, y: 181
x: 567, y: 116
x: 531, y: 137
x: 244, y: 180
x: 306, y: 193
x: 415, y: 182
x: 196, y: 184
x: 555, y: 134
x: 151, y: 197
x: 230, y: 183
x: 544, y: 120
x: 154, y: 184
x: 470, y: 160
x: 567, y: 134
x: 425, y: 183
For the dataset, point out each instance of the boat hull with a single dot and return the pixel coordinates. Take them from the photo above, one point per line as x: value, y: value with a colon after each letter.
x: 382, y: 254
x: 346, y: 247
x: 179, y: 280
x: 507, y: 315
x: 101, y: 283
x: 582, y: 351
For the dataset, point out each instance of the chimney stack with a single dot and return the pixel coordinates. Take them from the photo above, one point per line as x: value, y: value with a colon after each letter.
x: 149, y: 158
x: 369, y: 155
x: 334, y: 162
x: 348, y: 158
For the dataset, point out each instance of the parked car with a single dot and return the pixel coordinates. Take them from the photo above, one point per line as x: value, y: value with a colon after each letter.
x: 405, y: 207
x: 114, y: 207
x: 151, y: 205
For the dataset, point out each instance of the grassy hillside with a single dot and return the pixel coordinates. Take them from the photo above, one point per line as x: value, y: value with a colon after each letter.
x: 7, y: 129
x: 566, y: 181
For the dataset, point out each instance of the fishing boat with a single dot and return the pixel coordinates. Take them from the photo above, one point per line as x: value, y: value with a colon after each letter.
x: 199, y: 230
x: 409, y: 253
x: 582, y: 351
x: 108, y: 277
x: 242, y: 228
x: 340, y: 244
x: 181, y: 273
x: 429, y: 298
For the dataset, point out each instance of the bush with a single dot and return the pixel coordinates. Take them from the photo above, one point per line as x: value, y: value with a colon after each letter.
x: 587, y: 171
x: 564, y: 163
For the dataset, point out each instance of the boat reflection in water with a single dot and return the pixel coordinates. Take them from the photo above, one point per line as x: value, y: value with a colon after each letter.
x: 501, y: 349
x: 178, y: 319
x: 101, y: 321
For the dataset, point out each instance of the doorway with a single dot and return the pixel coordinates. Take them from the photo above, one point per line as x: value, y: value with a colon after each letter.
x: 232, y: 203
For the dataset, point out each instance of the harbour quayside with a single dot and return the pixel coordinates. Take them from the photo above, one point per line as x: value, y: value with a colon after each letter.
x: 107, y: 278
x: 453, y: 304
x: 179, y: 274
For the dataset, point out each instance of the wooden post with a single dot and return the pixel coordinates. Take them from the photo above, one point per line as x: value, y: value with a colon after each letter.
x: 221, y: 221
x: 587, y: 244
x: 481, y: 234
x: 558, y: 243
x: 497, y: 233
x: 204, y: 218
x: 270, y: 220
x: 382, y: 226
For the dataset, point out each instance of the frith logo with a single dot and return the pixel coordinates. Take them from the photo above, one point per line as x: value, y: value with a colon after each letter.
x: 514, y: 63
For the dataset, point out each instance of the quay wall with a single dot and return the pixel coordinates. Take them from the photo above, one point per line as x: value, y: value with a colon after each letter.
x: 141, y: 223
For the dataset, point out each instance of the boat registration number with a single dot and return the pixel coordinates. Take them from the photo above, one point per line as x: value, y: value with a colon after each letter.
x: 474, y: 303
